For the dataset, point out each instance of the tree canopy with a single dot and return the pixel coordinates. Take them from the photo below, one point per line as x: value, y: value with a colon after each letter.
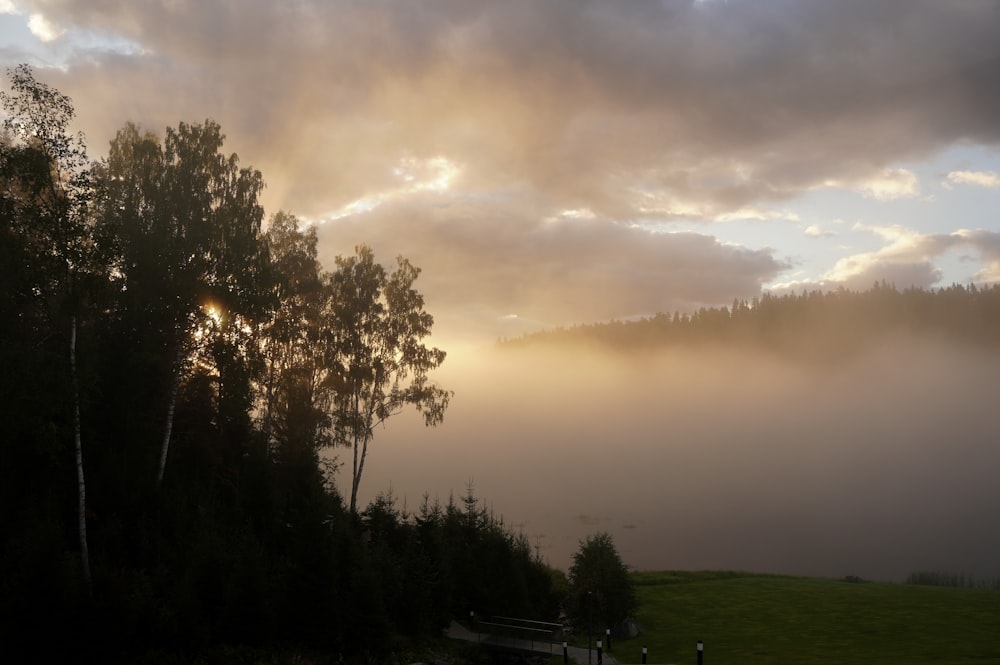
x: 200, y: 364
x: 601, y: 594
x: 45, y: 176
x: 380, y: 363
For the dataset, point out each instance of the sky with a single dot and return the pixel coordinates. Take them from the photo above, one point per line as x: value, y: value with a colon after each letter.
x: 549, y: 163
x: 572, y: 161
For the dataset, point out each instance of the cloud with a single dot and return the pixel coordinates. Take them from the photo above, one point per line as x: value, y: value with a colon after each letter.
x: 758, y: 214
x: 549, y: 145
x: 719, y: 106
x: 888, y: 184
x: 482, y: 264
x: 980, y: 178
x: 907, y: 260
x: 892, y: 184
x: 44, y: 29
x: 815, y: 231
x: 859, y: 272
x: 435, y: 174
x: 987, y: 245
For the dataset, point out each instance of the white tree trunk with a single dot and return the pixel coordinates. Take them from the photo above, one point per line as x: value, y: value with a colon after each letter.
x: 359, y: 467
x: 355, y: 480
x: 168, y: 429
x: 269, y: 401
x: 81, y: 485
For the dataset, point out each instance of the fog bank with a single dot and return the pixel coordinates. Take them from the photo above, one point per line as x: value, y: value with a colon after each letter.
x: 877, y: 466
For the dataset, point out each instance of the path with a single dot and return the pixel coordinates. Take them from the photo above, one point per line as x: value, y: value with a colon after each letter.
x: 457, y: 631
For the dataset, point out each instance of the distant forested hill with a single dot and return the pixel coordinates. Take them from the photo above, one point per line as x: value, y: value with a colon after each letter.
x: 814, y: 324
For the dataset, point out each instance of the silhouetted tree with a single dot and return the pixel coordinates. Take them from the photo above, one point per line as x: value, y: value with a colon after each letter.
x: 46, y: 175
x: 185, y: 222
x: 143, y: 312
x: 378, y: 358
x: 601, y: 593
x: 297, y: 388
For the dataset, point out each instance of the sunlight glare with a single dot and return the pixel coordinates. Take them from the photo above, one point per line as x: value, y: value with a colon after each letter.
x: 213, y: 312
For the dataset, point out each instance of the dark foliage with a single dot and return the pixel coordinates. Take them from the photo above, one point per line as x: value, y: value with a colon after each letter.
x: 601, y: 594
x: 954, y: 580
x: 193, y: 328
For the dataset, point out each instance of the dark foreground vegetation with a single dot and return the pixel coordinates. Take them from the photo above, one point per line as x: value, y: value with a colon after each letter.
x: 764, y: 620
x: 171, y: 377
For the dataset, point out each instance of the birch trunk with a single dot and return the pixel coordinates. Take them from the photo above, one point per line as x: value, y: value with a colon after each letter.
x: 355, y: 480
x: 77, y: 439
x: 269, y: 402
x: 168, y: 429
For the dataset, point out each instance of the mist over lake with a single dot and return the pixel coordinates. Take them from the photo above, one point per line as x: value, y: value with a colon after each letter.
x: 877, y: 465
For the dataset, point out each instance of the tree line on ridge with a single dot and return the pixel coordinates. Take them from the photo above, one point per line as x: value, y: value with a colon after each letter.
x: 812, y: 325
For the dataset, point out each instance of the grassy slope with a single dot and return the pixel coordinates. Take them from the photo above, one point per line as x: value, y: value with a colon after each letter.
x: 753, y: 619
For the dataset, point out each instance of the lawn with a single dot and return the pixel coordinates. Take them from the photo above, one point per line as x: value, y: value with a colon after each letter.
x: 754, y: 620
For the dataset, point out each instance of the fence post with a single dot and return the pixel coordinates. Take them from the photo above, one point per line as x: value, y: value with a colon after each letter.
x: 701, y: 650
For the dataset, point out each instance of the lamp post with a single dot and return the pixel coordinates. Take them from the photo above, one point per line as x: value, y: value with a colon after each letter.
x: 590, y: 620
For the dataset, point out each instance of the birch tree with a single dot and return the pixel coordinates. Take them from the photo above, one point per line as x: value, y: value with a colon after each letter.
x: 186, y: 223
x: 296, y: 390
x: 46, y: 195
x: 379, y: 360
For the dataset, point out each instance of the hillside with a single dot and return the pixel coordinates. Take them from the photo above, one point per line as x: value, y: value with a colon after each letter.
x: 759, y: 620
x: 815, y: 324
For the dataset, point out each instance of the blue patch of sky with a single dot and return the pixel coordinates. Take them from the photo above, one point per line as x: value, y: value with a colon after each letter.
x: 20, y: 45
x: 841, y: 219
x: 16, y: 37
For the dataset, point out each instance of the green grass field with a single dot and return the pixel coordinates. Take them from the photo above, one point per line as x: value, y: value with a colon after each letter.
x: 746, y: 619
